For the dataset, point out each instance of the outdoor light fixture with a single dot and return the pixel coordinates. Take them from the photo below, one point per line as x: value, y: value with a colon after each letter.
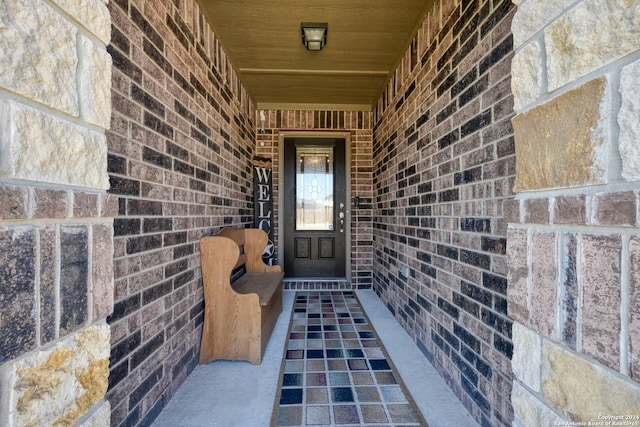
x: 314, y: 35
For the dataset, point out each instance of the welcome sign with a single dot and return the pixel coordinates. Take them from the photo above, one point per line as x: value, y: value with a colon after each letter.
x: 263, y: 203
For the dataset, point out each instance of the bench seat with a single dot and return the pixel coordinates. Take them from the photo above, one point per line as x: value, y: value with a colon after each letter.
x: 264, y: 284
x: 239, y: 317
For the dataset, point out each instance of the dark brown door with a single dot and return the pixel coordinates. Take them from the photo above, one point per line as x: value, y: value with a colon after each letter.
x: 314, y: 207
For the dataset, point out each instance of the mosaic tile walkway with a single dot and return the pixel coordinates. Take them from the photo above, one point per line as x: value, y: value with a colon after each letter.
x: 335, y: 371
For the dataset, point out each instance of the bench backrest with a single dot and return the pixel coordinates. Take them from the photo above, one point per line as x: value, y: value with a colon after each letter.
x: 238, y: 236
x: 230, y: 249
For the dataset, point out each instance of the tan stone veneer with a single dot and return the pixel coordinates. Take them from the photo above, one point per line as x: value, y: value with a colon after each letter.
x: 57, y: 386
x: 585, y: 391
x: 551, y: 376
x: 41, y: 147
x: 591, y: 35
x: 564, y: 142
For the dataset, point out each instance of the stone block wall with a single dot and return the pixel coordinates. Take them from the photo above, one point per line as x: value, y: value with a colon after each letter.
x: 443, y: 165
x: 358, y: 124
x: 573, y: 245
x: 56, y: 220
x: 179, y: 160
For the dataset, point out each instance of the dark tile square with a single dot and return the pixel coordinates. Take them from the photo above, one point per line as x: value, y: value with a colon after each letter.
x: 292, y: 380
x: 314, y: 328
x: 330, y: 328
x: 354, y: 352
x: 380, y: 365
x: 334, y: 354
x: 291, y: 396
x: 314, y: 335
x: 365, y: 334
x: 315, y: 354
x: 341, y: 394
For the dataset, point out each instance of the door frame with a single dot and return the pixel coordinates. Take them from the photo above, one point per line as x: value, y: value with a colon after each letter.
x: 347, y: 181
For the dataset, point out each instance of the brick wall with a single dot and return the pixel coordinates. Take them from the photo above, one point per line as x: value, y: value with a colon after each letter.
x: 180, y: 147
x: 443, y: 164
x: 573, y: 246
x: 358, y: 124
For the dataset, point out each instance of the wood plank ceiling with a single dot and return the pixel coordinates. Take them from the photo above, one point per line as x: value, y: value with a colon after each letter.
x: 366, y: 41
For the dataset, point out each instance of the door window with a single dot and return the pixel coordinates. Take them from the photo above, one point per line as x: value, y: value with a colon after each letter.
x: 314, y: 188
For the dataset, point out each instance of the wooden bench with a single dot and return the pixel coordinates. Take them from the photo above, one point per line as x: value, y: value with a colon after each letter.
x: 240, y: 316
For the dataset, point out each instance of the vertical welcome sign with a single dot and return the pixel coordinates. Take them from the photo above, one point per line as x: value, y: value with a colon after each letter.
x: 263, y: 206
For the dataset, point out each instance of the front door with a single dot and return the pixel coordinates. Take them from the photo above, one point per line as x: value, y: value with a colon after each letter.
x: 314, y: 200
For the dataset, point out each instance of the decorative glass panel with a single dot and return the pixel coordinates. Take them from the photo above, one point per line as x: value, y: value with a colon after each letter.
x: 314, y: 188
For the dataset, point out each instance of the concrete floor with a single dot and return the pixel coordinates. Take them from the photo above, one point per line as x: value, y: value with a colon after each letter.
x: 230, y: 393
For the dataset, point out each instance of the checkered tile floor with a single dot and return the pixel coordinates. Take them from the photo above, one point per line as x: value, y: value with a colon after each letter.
x: 335, y: 372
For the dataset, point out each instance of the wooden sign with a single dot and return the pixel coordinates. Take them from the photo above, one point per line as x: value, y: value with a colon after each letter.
x: 263, y: 203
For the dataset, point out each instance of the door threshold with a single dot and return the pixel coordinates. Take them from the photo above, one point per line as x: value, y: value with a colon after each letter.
x: 318, y: 283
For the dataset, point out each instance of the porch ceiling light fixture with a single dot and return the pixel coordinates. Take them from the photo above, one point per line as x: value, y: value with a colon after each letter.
x: 314, y: 35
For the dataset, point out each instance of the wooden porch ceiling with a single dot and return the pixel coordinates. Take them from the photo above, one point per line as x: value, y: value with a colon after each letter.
x: 366, y: 41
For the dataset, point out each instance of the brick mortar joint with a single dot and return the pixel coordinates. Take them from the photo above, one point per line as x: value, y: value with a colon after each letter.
x: 58, y: 222
x: 598, y: 230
